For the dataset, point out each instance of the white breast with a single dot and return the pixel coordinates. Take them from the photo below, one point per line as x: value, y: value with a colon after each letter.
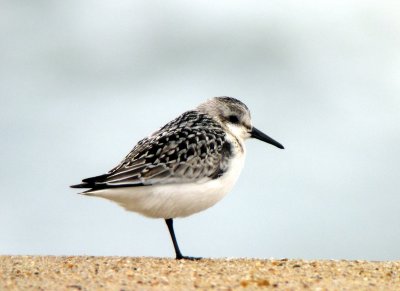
x: 177, y: 200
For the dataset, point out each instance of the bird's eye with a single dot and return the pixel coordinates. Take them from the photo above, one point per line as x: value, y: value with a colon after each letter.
x: 233, y: 119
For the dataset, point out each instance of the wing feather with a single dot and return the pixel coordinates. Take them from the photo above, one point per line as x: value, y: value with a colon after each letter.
x: 190, y: 148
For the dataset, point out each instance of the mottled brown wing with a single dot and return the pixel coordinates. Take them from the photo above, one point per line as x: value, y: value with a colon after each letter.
x: 192, y: 147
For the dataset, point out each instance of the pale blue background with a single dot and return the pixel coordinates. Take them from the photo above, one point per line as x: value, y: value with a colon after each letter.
x: 82, y: 81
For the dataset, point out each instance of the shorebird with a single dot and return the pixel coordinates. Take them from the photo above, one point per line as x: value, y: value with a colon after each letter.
x: 183, y: 168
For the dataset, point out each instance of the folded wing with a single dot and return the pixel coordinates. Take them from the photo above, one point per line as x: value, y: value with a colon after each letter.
x: 191, y: 148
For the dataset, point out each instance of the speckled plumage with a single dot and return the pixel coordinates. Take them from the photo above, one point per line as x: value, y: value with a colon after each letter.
x: 190, y: 148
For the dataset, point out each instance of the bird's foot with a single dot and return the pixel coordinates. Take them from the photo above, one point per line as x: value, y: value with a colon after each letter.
x: 188, y: 258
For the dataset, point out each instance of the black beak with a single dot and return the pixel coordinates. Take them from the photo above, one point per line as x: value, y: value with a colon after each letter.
x: 262, y: 136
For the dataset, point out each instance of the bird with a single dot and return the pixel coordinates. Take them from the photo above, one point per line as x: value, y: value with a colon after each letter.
x: 185, y: 167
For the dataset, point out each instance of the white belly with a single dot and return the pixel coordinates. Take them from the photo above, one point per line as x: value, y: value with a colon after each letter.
x: 174, y: 200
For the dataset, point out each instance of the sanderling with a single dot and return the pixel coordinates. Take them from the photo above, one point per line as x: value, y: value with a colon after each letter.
x: 185, y: 167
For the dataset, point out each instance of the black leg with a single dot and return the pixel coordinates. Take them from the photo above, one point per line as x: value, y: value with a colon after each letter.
x: 170, y: 224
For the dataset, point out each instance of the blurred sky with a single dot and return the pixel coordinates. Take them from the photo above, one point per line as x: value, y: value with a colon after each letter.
x: 82, y: 81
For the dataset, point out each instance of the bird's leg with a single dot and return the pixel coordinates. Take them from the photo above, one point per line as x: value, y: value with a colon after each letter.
x: 179, y: 256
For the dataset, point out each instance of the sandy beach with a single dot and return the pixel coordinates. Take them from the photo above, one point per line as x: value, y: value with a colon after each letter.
x: 129, y: 273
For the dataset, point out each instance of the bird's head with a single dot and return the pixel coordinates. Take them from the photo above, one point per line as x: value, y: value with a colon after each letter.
x: 234, y: 116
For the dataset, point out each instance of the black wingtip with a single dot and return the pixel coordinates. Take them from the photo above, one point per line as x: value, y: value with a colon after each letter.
x: 90, y: 182
x: 95, y: 179
x: 79, y: 186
